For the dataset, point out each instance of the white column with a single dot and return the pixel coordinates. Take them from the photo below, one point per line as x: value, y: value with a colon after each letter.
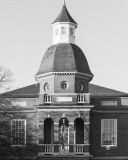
x: 71, y: 136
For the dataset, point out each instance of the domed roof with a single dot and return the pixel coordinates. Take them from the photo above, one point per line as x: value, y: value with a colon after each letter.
x: 64, y: 57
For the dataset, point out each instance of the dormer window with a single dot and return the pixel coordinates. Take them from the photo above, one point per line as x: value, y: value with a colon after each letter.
x: 56, y: 31
x: 63, y: 30
x: 71, y: 31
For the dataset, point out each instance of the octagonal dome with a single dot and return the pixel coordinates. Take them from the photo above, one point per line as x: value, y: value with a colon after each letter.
x: 64, y: 57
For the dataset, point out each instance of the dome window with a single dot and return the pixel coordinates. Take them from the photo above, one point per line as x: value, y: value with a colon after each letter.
x: 81, y: 86
x: 64, y: 85
x: 56, y: 31
x: 71, y: 31
x: 46, y: 86
x: 63, y: 30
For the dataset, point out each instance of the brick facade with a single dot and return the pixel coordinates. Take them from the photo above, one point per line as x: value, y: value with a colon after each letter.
x: 120, y: 113
x: 91, y: 126
x: 64, y: 121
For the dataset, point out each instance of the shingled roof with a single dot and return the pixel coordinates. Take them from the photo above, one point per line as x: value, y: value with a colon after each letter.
x: 64, y: 16
x: 33, y: 91
x: 64, y: 57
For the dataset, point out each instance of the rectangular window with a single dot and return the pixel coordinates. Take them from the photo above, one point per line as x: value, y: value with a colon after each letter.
x: 63, y: 31
x: 109, y: 132
x: 56, y: 31
x: 20, y: 104
x: 18, y: 132
x: 124, y: 101
x: 71, y: 31
x: 108, y: 103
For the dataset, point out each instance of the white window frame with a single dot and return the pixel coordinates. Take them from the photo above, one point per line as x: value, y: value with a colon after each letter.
x: 83, y: 98
x: 56, y: 31
x: 124, y: 101
x: 63, y: 30
x: 113, y: 132
x: 47, y: 99
x: 16, y: 103
x: 71, y: 31
x: 18, y: 131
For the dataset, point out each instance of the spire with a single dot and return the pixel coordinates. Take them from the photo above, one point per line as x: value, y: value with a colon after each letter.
x: 64, y: 16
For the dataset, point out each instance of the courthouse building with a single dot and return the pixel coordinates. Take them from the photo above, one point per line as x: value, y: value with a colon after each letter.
x: 66, y: 116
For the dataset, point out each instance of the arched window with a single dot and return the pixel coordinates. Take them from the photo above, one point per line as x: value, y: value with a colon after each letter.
x: 79, y: 131
x: 64, y: 133
x: 48, y: 131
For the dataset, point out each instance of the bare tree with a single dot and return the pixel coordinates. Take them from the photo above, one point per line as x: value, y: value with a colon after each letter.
x: 7, y: 151
x: 6, y: 79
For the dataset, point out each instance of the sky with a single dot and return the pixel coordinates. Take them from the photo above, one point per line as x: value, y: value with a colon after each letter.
x: 102, y: 34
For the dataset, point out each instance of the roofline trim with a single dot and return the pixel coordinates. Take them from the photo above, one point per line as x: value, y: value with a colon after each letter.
x: 111, y: 111
x: 53, y: 108
x: 76, y: 25
x: 119, y: 95
x: 37, y: 77
x: 6, y: 95
x: 64, y: 94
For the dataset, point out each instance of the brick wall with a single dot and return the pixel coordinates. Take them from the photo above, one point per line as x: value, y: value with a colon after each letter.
x: 55, y: 87
x: 70, y: 79
x: 111, y: 112
x: 77, y: 87
x: 50, y: 81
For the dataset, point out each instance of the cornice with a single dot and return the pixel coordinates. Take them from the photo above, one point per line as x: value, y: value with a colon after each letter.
x: 70, y: 23
x: 79, y: 74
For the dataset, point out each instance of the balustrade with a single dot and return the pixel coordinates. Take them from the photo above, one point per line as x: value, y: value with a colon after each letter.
x: 83, y: 98
x: 47, y: 99
x: 50, y: 149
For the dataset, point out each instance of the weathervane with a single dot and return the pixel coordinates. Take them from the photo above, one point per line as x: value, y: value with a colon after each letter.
x: 64, y: 2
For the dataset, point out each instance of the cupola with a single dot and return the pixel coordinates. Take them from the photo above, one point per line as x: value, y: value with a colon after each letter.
x: 64, y: 27
x: 64, y: 73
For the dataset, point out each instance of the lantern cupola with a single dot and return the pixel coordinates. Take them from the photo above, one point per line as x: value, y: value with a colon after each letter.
x: 64, y: 27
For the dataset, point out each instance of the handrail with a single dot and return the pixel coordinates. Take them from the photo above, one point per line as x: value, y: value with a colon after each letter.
x: 50, y: 148
x: 65, y: 144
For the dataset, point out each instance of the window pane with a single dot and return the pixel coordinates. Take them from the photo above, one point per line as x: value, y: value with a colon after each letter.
x: 71, y: 31
x: 63, y: 30
x: 18, y: 132
x: 108, y: 132
x: 56, y: 31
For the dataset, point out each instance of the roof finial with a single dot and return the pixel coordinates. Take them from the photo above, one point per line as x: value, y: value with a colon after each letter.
x: 64, y: 2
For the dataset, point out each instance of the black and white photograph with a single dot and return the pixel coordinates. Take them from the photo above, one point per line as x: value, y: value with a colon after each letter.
x: 63, y: 79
